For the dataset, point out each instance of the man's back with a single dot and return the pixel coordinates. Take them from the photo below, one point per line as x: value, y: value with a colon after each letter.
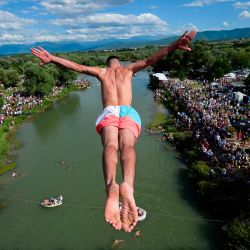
x: 116, y: 85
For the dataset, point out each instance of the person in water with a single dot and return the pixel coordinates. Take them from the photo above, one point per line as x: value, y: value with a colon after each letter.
x: 119, y: 125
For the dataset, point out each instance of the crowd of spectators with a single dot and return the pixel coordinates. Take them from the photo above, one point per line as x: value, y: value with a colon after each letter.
x: 16, y: 103
x: 208, y: 114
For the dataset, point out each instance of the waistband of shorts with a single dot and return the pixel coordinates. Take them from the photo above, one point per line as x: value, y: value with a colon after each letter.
x: 115, y: 106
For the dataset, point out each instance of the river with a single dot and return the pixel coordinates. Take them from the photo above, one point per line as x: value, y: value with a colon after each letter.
x: 66, y: 132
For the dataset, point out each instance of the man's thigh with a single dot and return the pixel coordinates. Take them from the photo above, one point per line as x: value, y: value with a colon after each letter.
x: 126, y: 138
x: 109, y: 134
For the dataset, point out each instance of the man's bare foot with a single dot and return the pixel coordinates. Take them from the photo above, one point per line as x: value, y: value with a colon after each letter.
x: 112, y: 211
x: 129, y: 212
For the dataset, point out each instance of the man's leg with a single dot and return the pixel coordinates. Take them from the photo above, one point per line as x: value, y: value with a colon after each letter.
x: 110, y: 159
x: 127, y: 143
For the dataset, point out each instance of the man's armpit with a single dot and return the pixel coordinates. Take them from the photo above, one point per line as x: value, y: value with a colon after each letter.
x: 103, y: 71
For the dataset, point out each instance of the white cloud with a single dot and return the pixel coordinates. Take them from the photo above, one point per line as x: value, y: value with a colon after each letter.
x: 73, y: 7
x: 106, y: 19
x: 194, y: 4
x: 13, y: 29
x: 153, y: 7
x: 181, y: 29
x: 92, y: 28
x: 9, y: 21
x: 225, y: 24
x: 242, y: 5
x: 108, y: 25
x: 244, y: 14
x: 201, y: 3
x: 34, y: 7
x: 10, y: 38
x: 104, y: 32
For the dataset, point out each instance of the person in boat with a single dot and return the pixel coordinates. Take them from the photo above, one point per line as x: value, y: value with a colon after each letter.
x: 118, y: 124
x: 140, y: 212
x: 46, y: 202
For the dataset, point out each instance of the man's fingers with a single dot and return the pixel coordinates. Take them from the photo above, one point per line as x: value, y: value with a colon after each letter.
x: 42, y: 49
x: 35, y: 50
x: 191, y: 34
x: 35, y: 53
x: 185, y: 48
x: 184, y: 34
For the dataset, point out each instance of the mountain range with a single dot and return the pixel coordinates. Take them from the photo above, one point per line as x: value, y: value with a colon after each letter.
x: 12, y: 49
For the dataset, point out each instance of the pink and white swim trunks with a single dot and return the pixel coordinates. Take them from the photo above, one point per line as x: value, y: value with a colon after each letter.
x: 121, y: 117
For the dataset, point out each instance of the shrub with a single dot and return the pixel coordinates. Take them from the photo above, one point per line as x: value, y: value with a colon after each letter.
x: 199, y: 170
x: 239, y: 234
x: 206, y: 187
x: 193, y: 154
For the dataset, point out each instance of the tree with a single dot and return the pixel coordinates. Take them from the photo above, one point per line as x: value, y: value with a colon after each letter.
x: 221, y: 67
x: 12, y: 78
x: 5, y: 63
x: 65, y: 76
x: 3, y: 76
x: 38, y: 80
x: 240, y: 60
x: 9, y: 78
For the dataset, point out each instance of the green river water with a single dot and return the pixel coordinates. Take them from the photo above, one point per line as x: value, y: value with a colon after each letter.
x: 66, y: 132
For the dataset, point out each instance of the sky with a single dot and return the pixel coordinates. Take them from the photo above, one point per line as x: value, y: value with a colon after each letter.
x: 29, y: 21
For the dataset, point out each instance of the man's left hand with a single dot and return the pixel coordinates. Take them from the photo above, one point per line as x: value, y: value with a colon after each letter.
x: 183, y: 42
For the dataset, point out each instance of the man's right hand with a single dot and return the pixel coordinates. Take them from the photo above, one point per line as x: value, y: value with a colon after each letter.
x: 42, y: 54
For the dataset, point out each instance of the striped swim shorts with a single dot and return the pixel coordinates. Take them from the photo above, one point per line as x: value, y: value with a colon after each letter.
x: 122, y: 117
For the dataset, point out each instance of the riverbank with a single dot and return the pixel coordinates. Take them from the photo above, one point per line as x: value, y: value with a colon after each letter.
x: 221, y: 191
x: 10, y: 125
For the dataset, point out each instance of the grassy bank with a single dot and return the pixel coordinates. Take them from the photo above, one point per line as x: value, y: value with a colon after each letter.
x: 8, y: 130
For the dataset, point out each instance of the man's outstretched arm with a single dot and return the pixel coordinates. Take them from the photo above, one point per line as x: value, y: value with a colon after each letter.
x: 182, y: 43
x: 46, y: 57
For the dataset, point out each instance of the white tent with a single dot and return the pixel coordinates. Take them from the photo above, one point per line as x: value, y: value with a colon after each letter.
x: 230, y: 75
x: 214, y: 84
x: 160, y: 76
x: 238, y: 96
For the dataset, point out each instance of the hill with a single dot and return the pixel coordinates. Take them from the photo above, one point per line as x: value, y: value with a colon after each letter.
x: 122, y: 43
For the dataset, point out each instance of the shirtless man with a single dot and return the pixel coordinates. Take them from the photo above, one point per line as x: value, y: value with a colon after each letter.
x: 119, y: 125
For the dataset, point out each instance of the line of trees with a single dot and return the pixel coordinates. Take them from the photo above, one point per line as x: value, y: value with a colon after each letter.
x: 206, y: 61
x: 35, y: 79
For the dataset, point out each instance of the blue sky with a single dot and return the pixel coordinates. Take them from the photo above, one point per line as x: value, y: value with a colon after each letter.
x: 29, y: 21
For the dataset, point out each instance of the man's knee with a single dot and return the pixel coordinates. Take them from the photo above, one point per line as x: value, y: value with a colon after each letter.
x: 112, y: 144
x: 126, y: 146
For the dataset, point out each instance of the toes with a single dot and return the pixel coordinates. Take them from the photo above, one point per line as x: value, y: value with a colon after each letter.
x: 125, y: 227
x: 134, y: 223
x: 108, y: 220
x: 118, y: 225
x: 131, y: 227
